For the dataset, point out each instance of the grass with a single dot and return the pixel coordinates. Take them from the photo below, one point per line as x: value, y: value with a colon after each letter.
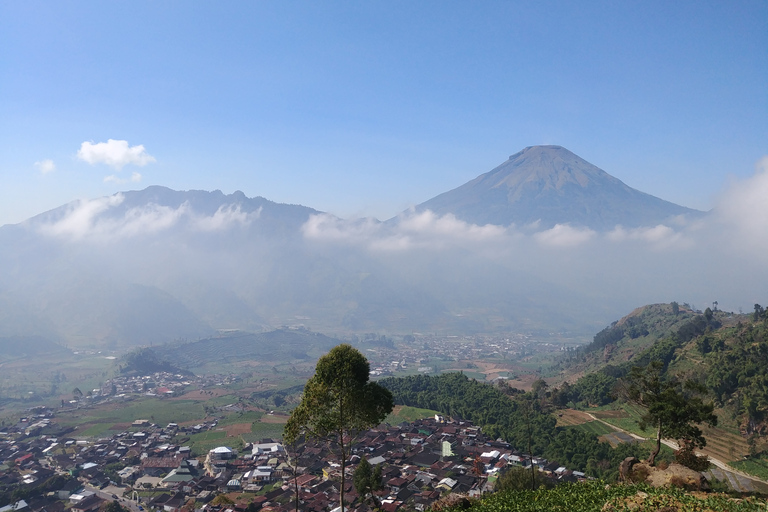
x: 245, y: 417
x: 97, y: 430
x: 202, y: 443
x: 408, y: 414
x: 594, y: 427
x: 627, y: 422
x: 159, y: 411
x: 756, y: 467
x: 207, y: 436
x: 261, y: 431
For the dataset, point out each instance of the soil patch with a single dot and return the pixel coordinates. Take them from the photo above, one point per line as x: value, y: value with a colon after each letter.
x: 201, y: 394
x: 567, y: 417
x: 610, y: 414
x: 274, y: 418
x: 237, y: 429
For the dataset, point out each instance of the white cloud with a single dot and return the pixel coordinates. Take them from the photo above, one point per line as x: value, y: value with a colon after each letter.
x: 115, y: 153
x: 91, y: 219
x: 659, y: 237
x: 45, y: 166
x: 114, y: 178
x: 563, y: 235
x: 742, y: 211
x: 78, y: 221
x: 411, y: 230
x: 226, y: 217
x: 324, y: 226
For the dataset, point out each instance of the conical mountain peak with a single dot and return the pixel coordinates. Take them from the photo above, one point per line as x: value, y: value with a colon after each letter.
x: 551, y: 185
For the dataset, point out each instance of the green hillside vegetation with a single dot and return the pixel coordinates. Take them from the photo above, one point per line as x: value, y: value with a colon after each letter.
x: 521, y: 419
x: 628, y: 337
x: 596, y: 496
x: 725, y: 352
x: 145, y: 361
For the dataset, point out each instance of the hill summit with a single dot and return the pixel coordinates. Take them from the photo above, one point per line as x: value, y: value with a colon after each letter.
x: 551, y: 185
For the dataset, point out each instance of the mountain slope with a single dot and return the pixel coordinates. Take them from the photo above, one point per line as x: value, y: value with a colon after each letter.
x: 551, y: 185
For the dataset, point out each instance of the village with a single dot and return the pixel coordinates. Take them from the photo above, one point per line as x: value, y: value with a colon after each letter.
x: 46, y: 468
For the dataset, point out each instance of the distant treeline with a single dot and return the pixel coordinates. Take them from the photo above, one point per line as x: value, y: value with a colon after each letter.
x: 145, y: 361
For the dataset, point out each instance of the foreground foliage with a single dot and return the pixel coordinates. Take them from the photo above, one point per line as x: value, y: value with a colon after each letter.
x: 338, y: 402
x: 672, y: 406
x: 593, y: 496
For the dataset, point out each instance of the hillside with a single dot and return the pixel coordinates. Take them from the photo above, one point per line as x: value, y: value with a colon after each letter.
x: 281, y: 345
x: 12, y: 347
x: 630, y: 336
x: 725, y: 352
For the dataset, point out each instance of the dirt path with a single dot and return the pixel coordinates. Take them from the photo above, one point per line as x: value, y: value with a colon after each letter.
x: 716, y: 462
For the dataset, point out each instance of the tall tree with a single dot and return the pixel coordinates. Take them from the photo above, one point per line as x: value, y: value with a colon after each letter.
x: 367, y: 480
x: 339, y: 402
x: 673, y: 407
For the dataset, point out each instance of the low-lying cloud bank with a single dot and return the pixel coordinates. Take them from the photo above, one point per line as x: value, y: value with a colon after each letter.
x: 96, y: 220
x: 719, y: 257
x: 715, y: 257
x: 740, y: 216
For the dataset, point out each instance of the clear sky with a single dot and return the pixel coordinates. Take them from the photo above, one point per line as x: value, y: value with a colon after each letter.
x: 366, y: 108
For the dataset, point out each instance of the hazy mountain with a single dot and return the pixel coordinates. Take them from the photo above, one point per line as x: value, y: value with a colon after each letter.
x: 554, y: 186
x: 156, y: 265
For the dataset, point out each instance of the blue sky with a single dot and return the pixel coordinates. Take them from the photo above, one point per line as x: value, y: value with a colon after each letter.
x: 366, y: 108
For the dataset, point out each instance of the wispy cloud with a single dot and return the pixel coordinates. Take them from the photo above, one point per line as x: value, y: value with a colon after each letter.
x: 411, y: 230
x: 226, y: 217
x: 99, y: 220
x: 114, y: 153
x: 113, y: 178
x: 658, y: 237
x: 564, y: 235
x: 45, y: 166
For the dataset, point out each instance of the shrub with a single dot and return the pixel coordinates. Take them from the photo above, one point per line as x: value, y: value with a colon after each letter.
x: 639, y: 473
x: 688, y: 458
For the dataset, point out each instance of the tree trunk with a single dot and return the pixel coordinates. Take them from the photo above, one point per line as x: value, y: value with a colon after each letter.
x: 656, y: 451
x: 343, y: 454
x: 296, y: 482
x: 343, y: 470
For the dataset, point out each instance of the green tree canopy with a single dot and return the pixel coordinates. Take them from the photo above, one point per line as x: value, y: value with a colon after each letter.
x: 367, y: 480
x: 672, y: 406
x: 339, y: 401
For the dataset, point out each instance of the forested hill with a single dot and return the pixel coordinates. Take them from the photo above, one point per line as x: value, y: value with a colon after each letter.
x: 726, y: 352
x: 626, y: 338
x: 509, y: 416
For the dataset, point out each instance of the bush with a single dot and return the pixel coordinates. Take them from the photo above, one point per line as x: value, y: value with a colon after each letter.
x: 688, y: 458
x: 639, y: 473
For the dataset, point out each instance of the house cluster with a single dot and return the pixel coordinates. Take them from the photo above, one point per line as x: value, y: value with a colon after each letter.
x: 419, y: 462
x: 427, y: 352
x: 159, y: 383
